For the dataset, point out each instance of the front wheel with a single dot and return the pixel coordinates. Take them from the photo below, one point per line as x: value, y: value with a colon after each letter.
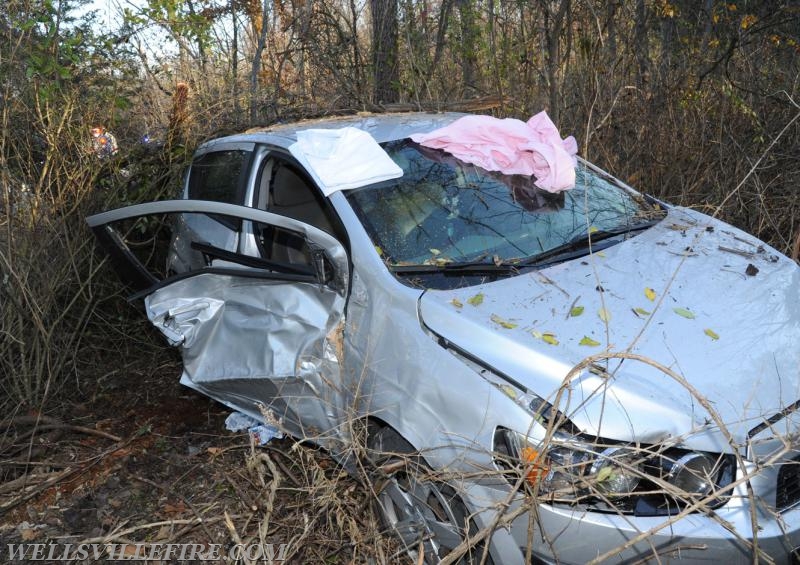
x: 424, y: 513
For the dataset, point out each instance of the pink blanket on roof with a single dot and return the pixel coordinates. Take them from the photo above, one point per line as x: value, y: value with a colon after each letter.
x: 510, y: 146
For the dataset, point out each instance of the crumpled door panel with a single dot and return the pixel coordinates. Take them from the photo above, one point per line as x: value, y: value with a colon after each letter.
x: 245, y: 341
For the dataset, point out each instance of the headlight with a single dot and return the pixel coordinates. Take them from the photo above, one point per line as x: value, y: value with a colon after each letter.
x: 691, y: 472
x: 645, y: 480
x: 617, y: 471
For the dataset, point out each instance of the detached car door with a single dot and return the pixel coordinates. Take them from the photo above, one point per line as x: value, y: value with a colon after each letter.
x: 252, y: 330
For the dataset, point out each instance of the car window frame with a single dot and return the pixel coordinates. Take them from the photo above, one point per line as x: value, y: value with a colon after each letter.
x: 138, y: 277
x: 242, y: 183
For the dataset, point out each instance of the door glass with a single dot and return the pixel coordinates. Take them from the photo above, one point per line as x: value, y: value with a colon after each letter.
x: 219, y: 176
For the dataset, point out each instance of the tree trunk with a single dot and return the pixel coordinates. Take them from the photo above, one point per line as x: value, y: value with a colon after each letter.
x: 642, y: 44
x: 256, y: 69
x: 235, y: 60
x: 470, y: 36
x: 384, y: 50
x: 554, y: 25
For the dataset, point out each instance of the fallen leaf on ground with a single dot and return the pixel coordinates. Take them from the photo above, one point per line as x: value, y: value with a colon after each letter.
x: 650, y: 293
x: 641, y: 312
x: 589, y: 341
x: 164, y: 532
x: 178, y: 508
x: 604, y: 314
x: 476, y: 300
x: 457, y: 303
x: 711, y: 333
x: 576, y: 311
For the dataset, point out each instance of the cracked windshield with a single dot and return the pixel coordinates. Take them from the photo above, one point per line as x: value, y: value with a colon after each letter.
x: 446, y: 213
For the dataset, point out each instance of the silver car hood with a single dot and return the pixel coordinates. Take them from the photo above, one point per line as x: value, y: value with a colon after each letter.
x: 741, y: 351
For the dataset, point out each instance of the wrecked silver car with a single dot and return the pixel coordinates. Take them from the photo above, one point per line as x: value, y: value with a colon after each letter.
x: 589, y: 373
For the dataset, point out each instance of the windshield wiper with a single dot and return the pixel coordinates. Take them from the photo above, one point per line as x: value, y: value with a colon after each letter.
x: 457, y: 268
x: 578, y: 245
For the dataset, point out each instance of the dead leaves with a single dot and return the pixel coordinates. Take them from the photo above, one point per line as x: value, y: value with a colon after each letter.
x: 502, y: 323
x: 547, y: 337
x: 588, y: 342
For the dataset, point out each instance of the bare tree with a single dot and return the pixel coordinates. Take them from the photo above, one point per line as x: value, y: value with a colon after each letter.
x: 384, y: 50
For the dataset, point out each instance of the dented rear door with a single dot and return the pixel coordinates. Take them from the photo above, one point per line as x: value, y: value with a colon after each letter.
x: 253, y: 331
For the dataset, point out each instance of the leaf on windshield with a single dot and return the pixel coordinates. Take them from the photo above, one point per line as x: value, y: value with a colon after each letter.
x: 379, y: 250
x: 476, y: 300
x: 641, y: 312
x: 549, y: 338
x: 435, y: 252
x: 588, y: 341
x: 604, y: 314
x: 501, y: 322
x: 711, y: 333
x: 457, y: 303
x: 650, y: 293
x: 684, y: 312
x: 593, y: 229
x: 576, y: 311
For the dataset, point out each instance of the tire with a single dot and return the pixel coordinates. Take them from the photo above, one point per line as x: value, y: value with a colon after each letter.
x: 415, y: 506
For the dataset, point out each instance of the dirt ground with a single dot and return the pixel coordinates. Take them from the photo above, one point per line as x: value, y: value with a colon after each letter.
x: 144, y: 459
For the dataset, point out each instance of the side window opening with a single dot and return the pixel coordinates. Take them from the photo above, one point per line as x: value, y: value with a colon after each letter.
x: 291, y: 196
x: 220, y: 176
x: 289, y: 193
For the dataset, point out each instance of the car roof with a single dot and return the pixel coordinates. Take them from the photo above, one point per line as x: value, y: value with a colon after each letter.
x: 382, y: 127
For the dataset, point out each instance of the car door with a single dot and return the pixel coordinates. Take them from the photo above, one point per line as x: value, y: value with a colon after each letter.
x: 252, y: 330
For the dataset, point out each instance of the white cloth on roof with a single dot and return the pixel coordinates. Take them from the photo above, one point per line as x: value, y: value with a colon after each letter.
x: 339, y: 159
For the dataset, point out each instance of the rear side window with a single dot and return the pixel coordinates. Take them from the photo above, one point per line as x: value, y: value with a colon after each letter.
x: 220, y: 176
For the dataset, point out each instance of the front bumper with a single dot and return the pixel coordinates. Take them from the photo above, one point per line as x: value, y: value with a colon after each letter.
x: 565, y: 535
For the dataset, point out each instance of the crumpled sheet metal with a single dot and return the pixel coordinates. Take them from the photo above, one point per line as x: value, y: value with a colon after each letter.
x: 244, y: 340
x: 242, y: 327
